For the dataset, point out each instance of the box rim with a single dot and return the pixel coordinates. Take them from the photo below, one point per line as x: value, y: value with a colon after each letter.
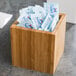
x: 62, y: 15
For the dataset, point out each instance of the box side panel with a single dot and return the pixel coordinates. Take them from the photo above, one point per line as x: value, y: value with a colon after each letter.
x: 37, y: 51
x: 15, y: 44
x: 32, y: 50
x: 26, y: 49
x: 59, y: 42
x: 20, y: 45
x: 42, y: 52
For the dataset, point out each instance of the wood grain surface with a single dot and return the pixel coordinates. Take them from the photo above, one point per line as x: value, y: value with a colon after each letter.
x: 38, y: 50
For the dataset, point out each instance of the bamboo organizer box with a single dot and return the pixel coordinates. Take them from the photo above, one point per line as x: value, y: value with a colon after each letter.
x: 38, y: 50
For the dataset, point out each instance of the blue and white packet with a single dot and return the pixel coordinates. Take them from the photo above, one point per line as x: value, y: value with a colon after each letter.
x: 53, y: 10
x: 46, y: 22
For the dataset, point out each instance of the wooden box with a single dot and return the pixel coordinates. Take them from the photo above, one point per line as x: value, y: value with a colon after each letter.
x: 38, y: 50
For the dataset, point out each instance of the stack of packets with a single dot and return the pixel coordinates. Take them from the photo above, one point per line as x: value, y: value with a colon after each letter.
x: 41, y: 18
